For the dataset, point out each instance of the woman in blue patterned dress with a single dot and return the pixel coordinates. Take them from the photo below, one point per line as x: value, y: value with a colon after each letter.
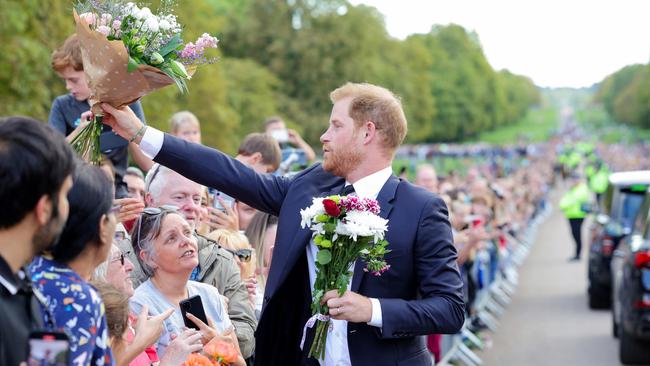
x: 61, y: 276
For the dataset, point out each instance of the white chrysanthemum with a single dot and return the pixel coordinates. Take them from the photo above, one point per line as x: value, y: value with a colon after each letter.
x: 151, y: 25
x: 144, y: 13
x: 308, y: 214
x: 164, y: 25
x: 362, y: 223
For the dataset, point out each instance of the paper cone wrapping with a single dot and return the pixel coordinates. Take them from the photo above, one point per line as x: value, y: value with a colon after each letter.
x: 105, y: 64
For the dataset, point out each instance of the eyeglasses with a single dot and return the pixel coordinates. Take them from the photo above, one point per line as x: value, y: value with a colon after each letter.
x: 153, y: 211
x: 243, y: 254
x: 121, y: 257
x: 153, y: 176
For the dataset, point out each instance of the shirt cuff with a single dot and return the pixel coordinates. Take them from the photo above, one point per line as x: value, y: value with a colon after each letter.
x: 152, y: 142
x: 376, y: 320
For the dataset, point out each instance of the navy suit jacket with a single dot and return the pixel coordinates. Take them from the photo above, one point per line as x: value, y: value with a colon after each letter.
x: 421, y: 293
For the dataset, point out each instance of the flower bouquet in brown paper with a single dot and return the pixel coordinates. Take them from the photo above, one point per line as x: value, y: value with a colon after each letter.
x: 129, y: 52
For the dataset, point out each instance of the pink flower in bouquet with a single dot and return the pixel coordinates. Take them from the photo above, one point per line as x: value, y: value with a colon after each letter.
x: 331, y: 208
x: 89, y: 18
x: 103, y: 29
x: 189, y: 51
x: 206, y: 41
x: 105, y: 19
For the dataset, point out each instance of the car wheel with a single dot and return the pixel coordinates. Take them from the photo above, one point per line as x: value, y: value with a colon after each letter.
x: 599, y: 300
x: 633, y: 351
x: 615, y: 328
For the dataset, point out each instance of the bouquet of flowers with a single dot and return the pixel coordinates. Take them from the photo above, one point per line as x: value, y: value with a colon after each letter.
x: 216, y: 353
x: 344, y: 229
x: 128, y: 52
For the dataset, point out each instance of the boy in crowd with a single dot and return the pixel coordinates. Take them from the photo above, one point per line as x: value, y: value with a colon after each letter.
x: 70, y: 112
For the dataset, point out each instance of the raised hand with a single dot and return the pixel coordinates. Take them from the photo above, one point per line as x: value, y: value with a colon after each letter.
x: 149, y: 329
x: 123, y: 121
x: 180, y: 348
x: 130, y: 208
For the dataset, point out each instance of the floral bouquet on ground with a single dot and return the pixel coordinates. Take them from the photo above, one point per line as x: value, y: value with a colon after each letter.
x: 215, y: 353
x: 127, y: 53
x: 344, y: 229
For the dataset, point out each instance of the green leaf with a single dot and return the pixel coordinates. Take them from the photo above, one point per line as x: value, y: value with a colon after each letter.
x: 324, y: 257
x: 171, y: 46
x: 133, y: 64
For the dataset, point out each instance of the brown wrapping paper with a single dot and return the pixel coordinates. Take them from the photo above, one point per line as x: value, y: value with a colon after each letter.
x: 105, y: 64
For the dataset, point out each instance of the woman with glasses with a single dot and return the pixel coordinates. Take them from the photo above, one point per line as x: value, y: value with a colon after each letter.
x: 237, y: 244
x: 136, y: 346
x: 68, y: 302
x: 169, y: 253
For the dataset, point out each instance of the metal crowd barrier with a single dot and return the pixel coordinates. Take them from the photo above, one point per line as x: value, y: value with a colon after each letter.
x: 494, y: 297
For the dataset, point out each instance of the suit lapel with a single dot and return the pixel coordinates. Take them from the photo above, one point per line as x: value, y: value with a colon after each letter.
x: 385, y: 199
x: 298, y: 245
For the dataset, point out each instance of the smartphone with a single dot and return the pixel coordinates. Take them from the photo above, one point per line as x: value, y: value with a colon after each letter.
x: 194, y: 306
x: 280, y: 135
x: 474, y: 220
x: 48, y: 348
x: 229, y: 201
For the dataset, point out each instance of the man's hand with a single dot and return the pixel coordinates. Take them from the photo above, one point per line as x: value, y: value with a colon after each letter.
x: 123, y: 121
x: 351, y: 306
x: 130, y: 208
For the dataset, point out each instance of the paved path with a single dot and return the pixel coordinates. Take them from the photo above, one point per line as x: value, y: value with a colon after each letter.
x: 548, y: 321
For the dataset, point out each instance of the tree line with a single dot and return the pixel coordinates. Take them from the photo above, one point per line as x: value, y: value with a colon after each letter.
x: 625, y: 95
x: 283, y: 57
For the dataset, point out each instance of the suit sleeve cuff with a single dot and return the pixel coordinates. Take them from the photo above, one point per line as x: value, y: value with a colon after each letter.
x: 152, y: 142
x: 375, y: 320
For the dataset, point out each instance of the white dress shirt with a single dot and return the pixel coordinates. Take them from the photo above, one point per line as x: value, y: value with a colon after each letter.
x: 336, y: 348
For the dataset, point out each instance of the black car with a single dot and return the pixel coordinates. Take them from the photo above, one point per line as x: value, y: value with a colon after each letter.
x: 631, y: 291
x: 618, y: 207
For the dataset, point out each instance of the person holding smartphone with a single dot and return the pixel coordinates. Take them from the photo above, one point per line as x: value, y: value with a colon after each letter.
x: 35, y: 197
x: 61, y: 275
x: 168, y: 251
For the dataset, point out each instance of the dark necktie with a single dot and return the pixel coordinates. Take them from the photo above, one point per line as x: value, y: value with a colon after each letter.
x: 349, y: 189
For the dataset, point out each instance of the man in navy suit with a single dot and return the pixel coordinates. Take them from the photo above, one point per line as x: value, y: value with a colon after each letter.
x: 379, y: 320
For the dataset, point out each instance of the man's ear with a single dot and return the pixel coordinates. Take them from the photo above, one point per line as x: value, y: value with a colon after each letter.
x: 369, y: 130
x: 43, y: 210
x: 255, y: 158
x: 148, y: 200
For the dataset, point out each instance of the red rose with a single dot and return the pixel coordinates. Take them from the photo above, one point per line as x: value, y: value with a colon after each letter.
x: 331, y: 208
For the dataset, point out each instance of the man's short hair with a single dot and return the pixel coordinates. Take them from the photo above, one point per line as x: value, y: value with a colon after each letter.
x: 68, y: 55
x: 34, y: 161
x: 263, y: 144
x: 156, y: 180
x: 378, y: 105
x: 271, y: 120
x: 134, y: 172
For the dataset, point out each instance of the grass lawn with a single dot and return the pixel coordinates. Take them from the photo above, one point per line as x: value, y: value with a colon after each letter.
x: 534, y: 127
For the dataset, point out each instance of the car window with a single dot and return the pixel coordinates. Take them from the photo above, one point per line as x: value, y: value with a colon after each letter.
x: 641, y: 222
x: 630, y: 205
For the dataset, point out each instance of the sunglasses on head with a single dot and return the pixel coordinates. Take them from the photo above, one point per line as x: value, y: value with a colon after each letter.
x: 121, y: 257
x: 243, y: 254
x: 154, y: 211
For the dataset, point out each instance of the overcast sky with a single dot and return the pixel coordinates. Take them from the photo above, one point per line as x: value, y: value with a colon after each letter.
x: 557, y: 43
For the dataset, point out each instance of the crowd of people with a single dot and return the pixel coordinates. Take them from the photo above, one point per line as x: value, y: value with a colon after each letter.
x: 105, y: 254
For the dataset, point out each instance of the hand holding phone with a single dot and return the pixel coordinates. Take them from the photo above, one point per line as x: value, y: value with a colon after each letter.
x: 48, y: 348
x: 194, y: 306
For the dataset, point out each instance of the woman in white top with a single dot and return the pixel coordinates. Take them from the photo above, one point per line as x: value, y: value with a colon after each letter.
x: 169, y: 253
